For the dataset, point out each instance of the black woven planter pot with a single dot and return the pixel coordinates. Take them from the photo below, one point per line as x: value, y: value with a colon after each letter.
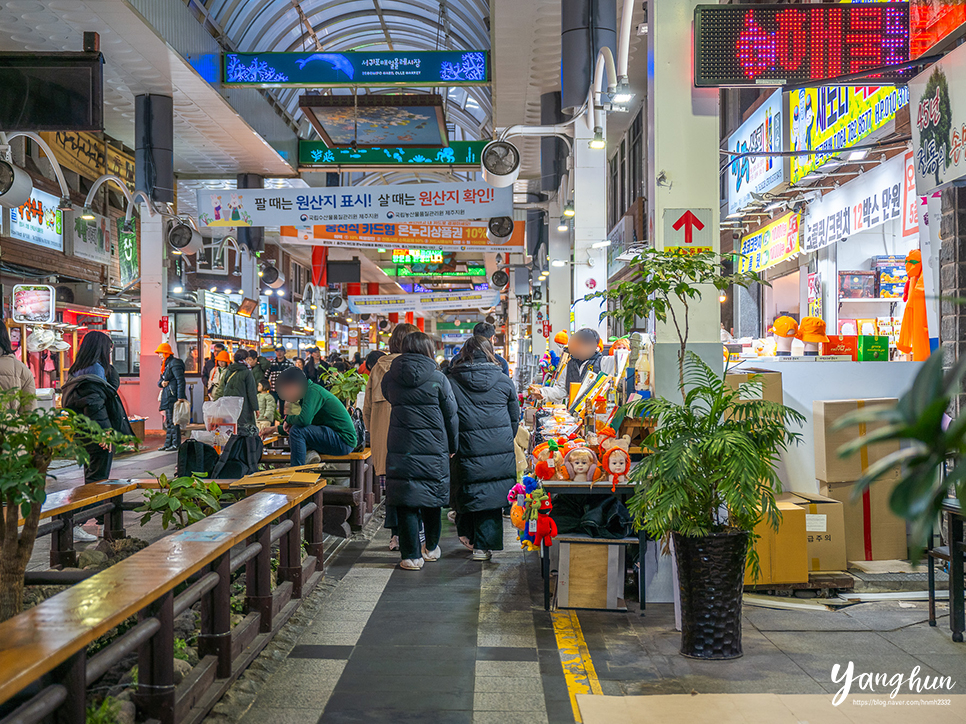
x: 711, y: 574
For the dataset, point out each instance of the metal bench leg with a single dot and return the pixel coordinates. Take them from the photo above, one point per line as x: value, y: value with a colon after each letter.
x: 156, y: 693
x: 215, y: 636
x: 314, y: 533
x: 62, y: 551
x: 290, y: 553
x: 357, y: 472
x: 114, y: 521
x: 258, y: 580
x: 72, y: 674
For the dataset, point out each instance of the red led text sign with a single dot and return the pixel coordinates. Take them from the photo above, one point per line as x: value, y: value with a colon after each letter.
x: 737, y: 45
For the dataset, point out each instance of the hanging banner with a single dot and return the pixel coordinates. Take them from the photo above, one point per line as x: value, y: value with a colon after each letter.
x: 432, y: 302
x: 761, y: 133
x: 448, y: 236
x: 90, y: 156
x: 127, y: 253
x: 328, y: 70
x: 938, y: 114
x: 872, y: 199
x: 92, y: 239
x: 466, y: 154
x: 354, y: 204
x: 830, y: 118
x: 39, y: 221
x: 771, y: 244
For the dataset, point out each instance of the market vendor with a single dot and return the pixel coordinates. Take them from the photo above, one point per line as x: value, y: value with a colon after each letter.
x: 585, y: 354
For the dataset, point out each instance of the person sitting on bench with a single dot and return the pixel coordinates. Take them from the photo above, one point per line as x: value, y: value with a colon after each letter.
x: 315, y: 419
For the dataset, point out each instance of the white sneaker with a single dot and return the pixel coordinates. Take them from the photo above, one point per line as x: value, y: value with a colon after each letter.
x: 451, y: 516
x: 411, y: 564
x: 394, y: 543
x: 432, y: 555
x: 82, y: 536
x: 312, y: 457
x: 479, y: 555
x: 466, y: 542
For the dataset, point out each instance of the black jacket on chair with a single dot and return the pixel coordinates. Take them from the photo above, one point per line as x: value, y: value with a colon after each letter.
x: 485, y: 467
x: 423, y: 431
x: 96, y: 398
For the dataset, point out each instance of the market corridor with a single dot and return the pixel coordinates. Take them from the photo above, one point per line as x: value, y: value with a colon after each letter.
x: 465, y: 642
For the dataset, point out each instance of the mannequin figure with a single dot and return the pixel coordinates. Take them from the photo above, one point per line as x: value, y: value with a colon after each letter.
x: 785, y: 330
x: 914, y: 332
x: 811, y: 331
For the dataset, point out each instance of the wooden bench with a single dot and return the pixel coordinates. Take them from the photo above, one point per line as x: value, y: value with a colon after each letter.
x: 84, y: 501
x: 46, y: 646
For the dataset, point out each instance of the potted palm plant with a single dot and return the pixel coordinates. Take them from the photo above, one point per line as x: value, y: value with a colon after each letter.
x: 708, y: 481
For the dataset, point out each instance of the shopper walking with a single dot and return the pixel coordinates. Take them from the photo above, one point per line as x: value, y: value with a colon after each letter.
x: 89, y: 392
x: 375, y: 414
x: 488, y: 332
x: 14, y: 374
x: 172, y: 386
x: 238, y: 381
x: 484, y: 469
x: 423, y: 435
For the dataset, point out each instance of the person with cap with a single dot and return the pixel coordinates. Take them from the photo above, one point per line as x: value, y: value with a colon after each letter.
x: 238, y: 381
x: 14, y: 374
x: 811, y: 331
x: 278, y: 365
x: 217, y: 374
x: 315, y: 420
x: 488, y: 332
x: 212, y: 360
x: 584, y: 348
x: 173, y: 390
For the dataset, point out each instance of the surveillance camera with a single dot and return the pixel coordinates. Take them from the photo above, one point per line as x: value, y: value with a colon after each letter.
x: 498, y: 229
x: 501, y: 163
x: 15, y: 185
x: 272, y: 277
x: 184, y: 239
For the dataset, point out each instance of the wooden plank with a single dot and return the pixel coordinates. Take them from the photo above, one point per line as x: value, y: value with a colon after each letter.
x: 588, y: 576
x: 64, y: 501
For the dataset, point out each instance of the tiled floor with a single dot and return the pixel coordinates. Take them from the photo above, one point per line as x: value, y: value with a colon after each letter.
x: 467, y: 642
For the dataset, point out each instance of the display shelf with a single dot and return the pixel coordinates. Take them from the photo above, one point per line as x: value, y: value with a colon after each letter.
x: 872, y: 300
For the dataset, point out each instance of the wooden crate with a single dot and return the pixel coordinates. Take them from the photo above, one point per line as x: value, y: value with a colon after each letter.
x: 590, y: 572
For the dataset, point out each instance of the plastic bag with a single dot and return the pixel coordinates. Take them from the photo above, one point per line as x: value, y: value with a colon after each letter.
x: 222, y: 415
x: 181, y: 414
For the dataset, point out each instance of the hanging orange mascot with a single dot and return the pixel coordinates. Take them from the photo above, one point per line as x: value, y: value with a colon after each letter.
x: 914, y: 333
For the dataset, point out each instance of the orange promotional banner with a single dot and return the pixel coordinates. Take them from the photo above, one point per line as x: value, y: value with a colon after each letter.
x: 448, y: 236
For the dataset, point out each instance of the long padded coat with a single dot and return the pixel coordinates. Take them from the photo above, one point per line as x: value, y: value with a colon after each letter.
x: 423, y: 431
x: 485, y: 467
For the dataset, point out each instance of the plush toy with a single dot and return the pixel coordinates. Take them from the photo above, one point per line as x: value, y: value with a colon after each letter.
x: 517, y: 515
x: 546, y: 528
x: 615, y: 457
x: 581, y: 464
x: 548, y: 459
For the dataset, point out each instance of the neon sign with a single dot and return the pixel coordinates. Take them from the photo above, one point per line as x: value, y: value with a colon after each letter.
x: 736, y: 45
x: 417, y: 256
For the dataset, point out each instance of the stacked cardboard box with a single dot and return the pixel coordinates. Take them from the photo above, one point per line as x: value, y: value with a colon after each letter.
x: 872, y: 531
x: 782, y: 554
x: 824, y: 530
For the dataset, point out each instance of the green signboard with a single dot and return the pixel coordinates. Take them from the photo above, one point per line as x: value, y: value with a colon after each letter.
x: 386, y: 68
x: 127, y: 251
x: 458, y: 153
x: 471, y: 271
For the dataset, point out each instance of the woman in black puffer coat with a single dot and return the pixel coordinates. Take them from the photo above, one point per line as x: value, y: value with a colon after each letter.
x: 423, y: 435
x: 485, y: 468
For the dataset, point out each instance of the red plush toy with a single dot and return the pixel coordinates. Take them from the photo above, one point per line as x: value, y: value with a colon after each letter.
x: 546, y: 528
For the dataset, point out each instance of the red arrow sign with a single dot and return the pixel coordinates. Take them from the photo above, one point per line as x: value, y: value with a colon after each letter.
x: 690, y: 222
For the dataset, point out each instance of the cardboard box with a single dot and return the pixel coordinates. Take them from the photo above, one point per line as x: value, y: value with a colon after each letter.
x: 770, y: 383
x: 829, y: 467
x: 824, y: 530
x: 872, y: 531
x: 873, y: 349
x: 782, y: 554
x: 842, y: 344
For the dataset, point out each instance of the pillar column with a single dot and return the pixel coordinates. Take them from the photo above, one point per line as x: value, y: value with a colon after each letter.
x: 559, y: 283
x: 952, y: 277
x: 590, y: 225
x: 154, y: 305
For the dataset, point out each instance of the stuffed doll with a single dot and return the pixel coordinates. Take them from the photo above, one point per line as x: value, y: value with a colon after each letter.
x: 615, y: 459
x: 581, y: 464
x: 546, y: 528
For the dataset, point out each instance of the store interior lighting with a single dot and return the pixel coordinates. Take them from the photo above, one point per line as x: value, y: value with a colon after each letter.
x: 268, y: 292
x: 178, y: 289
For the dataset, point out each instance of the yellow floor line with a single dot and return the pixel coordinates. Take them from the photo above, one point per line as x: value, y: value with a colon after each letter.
x: 575, y: 658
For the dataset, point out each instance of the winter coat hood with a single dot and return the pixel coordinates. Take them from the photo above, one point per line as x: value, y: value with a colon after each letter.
x: 411, y: 370
x: 479, y: 375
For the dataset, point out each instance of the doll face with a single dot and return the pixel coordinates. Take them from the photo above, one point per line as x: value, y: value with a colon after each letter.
x: 617, y: 463
x: 581, y: 464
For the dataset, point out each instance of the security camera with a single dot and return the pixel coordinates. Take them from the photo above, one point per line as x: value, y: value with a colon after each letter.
x: 499, y: 229
x: 272, y: 277
x: 501, y: 163
x: 184, y: 239
x: 15, y: 185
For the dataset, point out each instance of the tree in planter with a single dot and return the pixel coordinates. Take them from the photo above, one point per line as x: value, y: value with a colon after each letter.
x: 29, y: 440
x: 344, y: 385
x: 708, y: 481
x: 667, y: 283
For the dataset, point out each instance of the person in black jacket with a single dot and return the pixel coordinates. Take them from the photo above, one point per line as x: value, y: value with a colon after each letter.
x: 423, y: 435
x: 314, y: 366
x: 172, y: 386
x: 89, y: 392
x: 484, y: 469
x: 487, y: 331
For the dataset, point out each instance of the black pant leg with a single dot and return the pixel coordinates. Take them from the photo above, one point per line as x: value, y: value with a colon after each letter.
x: 488, y: 528
x: 408, y: 522
x: 433, y: 524
x: 99, y: 466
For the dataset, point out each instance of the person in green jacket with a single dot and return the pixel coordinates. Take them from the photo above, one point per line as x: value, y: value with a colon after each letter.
x: 265, y: 417
x: 258, y: 364
x: 239, y: 382
x: 315, y: 420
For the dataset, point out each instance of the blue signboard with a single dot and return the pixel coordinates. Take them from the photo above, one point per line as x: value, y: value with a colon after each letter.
x: 315, y: 70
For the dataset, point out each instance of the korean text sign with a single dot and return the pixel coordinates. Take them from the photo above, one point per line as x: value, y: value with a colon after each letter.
x: 450, y: 236
x: 872, y: 199
x: 762, y: 132
x: 39, y: 221
x: 353, y: 204
x: 431, y: 302
x: 771, y: 244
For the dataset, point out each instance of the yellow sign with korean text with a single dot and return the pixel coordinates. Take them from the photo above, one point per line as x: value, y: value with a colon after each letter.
x: 831, y: 118
x: 90, y: 156
x: 771, y: 244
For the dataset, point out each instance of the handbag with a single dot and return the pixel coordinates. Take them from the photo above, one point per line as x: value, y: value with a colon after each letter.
x: 181, y: 414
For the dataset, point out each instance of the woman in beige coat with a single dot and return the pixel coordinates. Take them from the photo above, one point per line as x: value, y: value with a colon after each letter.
x: 14, y: 374
x: 375, y: 415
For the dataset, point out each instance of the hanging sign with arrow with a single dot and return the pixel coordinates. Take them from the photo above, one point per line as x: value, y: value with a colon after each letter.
x: 688, y: 229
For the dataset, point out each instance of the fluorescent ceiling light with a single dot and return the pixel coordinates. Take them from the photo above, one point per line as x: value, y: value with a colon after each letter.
x: 859, y: 155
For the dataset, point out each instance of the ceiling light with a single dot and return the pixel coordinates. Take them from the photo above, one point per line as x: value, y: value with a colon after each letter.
x: 858, y: 155
x: 87, y: 214
x: 280, y: 292
x: 568, y: 210
x: 722, y: 297
x: 601, y: 244
x: 65, y: 204
x: 623, y: 94
x: 598, y: 143
x: 228, y: 291
x: 558, y: 263
x: 213, y: 289
x: 178, y: 289
x: 268, y: 292
x: 563, y: 227
x: 261, y: 273
x: 312, y: 306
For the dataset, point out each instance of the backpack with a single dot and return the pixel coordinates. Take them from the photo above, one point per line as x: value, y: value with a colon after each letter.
x: 362, y: 435
x: 240, y: 457
x: 196, y: 457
